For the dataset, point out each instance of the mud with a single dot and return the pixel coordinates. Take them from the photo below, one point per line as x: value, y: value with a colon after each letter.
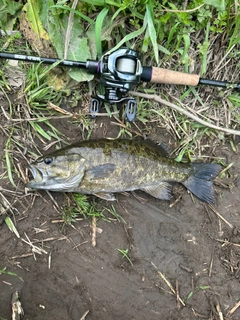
x: 185, y: 257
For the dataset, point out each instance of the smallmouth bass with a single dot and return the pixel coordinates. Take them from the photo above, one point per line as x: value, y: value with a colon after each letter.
x: 103, y: 167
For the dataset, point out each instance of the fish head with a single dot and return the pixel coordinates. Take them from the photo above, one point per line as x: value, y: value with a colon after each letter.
x: 57, y: 172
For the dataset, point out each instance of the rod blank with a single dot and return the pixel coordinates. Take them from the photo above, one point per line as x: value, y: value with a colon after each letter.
x: 21, y: 57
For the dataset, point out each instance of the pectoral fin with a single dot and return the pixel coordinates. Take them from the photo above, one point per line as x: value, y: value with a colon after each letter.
x: 160, y: 191
x: 105, y: 196
x: 101, y: 171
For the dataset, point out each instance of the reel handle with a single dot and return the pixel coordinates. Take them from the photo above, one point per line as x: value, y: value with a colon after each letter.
x: 160, y: 75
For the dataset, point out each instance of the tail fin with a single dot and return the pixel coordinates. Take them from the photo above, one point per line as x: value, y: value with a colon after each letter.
x: 200, y: 182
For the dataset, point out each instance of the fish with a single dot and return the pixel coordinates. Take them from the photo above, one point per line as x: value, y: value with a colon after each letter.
x: 103, y: 167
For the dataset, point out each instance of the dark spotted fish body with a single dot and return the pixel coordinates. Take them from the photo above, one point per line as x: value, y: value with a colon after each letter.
x: 102, y: 167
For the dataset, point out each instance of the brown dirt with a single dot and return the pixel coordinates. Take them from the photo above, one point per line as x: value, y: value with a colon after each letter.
x: 187, y: 243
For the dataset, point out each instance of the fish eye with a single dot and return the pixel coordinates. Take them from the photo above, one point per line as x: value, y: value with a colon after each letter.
x: 48, y: 160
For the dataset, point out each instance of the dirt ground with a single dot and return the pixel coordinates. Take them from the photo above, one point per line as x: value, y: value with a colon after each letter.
x: 186, y: 258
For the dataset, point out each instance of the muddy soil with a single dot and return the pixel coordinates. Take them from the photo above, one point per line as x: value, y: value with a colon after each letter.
x: 185, y: 257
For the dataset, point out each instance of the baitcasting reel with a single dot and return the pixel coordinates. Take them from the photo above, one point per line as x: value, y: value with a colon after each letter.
x: 119, y: 71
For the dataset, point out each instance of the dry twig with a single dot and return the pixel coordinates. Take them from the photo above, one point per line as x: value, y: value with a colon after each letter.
x: 219, y: 215
x: 234, y: 309
x: 168, y: 284
x: 84, y: 315
x: 185, y: 112
x: 34, y: 248
x: 219, y: 311
x: 17, y: 310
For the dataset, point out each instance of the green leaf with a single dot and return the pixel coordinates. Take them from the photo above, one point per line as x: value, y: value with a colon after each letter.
x: 9, y: 168
x: 8, y: 11
x: 78, y: 13
x: 218, y: 4
x: 8, y: 160
x: 180, y: 156
x: 40, y: 130
x: 152, y: 31
x: 44, y: 6
x: 163, y: 50
x: 102, y: 2
x: 146, y: 41
x: 204, y: 51
x: 130, y: 36
x: 187, y: 43
x: 202, y: 288
x: 32, y: 15
x: 171, y: 33
x: 11, y: 226
x: 3, y: 271
x: 98, y: 30
x: 95, y: 2
x: 91, y: 41
x: 78, y: 49
x: 190, y: 295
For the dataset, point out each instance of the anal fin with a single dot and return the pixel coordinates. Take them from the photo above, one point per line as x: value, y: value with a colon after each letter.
x: 105, y: 196
x: 160, y: 191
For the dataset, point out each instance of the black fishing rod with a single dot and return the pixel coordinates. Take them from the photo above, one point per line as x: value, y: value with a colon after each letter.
x: 120, y: 71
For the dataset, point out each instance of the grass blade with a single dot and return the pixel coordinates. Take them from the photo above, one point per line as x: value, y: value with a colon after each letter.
x: 187, y: 41
x: 152, y: 31
x: 204, y: 51
x: 78, y: 13
x: 11, y: 226
x: 40, y: 130
x: 8, y: 161
x: 218, y: 4
x: 3, y: 271
x: 171, y: 34
x: 98, y: 30
x: 130, y: 36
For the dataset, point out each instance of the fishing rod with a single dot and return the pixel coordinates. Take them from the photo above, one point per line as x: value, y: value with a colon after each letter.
x: 120, y: 71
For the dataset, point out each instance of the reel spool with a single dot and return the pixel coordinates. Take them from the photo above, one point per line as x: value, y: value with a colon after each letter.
x: 126, y: 65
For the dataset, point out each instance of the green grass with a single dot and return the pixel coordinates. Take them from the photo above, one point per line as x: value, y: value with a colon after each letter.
x: 196, y: 289
x: 4, y: 271
x: 32, y: 120
x: 111, y: 209
x: 39, y: 88
x: 81, y: 206
x: 125, y: 255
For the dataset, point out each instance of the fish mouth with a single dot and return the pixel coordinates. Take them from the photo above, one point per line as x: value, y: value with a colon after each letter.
x: 38, y: 177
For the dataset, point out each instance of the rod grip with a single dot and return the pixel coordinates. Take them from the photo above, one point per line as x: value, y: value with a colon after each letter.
x: 160, y: 75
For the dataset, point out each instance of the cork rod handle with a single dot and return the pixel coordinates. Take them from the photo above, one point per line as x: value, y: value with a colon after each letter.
x: 160, y: 75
